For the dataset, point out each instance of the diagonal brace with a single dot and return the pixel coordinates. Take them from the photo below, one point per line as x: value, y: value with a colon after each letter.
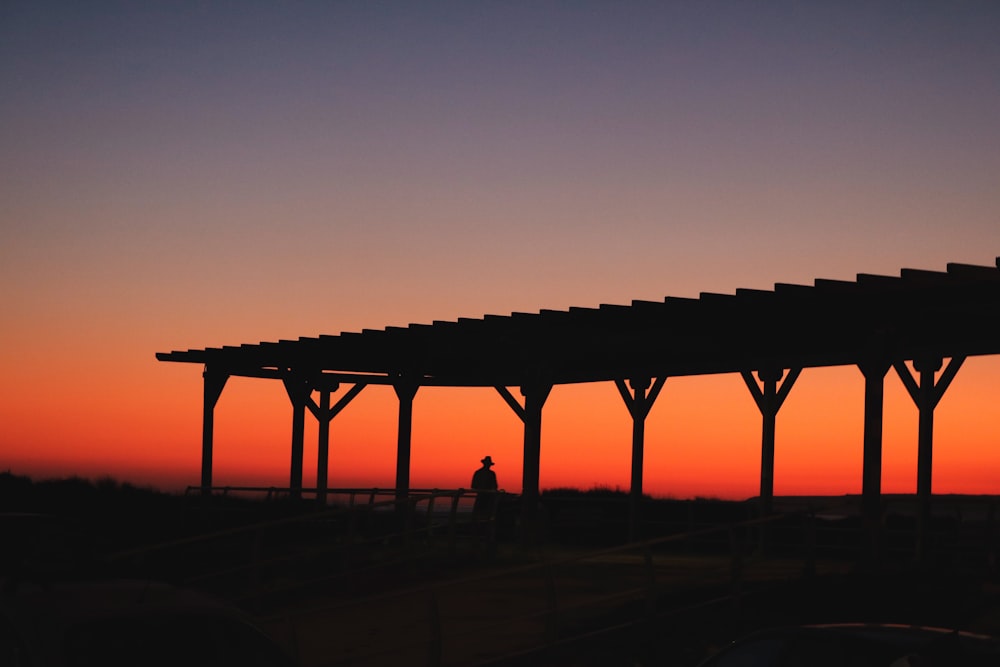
x: 942, y: 384
x: 638, y: 404
x: 781, y: 392
x: 514, y: 404
x: 332, y: 412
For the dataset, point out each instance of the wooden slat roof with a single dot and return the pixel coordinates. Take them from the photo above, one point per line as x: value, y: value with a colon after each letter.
x: 832, y: 322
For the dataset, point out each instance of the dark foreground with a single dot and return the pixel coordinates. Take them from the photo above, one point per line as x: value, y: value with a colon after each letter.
x: 369, y: 588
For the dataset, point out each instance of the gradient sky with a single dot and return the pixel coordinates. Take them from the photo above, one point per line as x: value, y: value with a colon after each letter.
x: 188, y: 174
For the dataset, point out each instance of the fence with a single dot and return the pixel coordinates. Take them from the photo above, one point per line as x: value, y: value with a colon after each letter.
x: 413, y: 577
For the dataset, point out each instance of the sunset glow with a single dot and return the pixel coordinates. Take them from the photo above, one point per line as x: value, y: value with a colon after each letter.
x: 194, y: 176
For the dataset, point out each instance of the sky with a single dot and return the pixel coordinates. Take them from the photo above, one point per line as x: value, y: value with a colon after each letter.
x: 193, y: 174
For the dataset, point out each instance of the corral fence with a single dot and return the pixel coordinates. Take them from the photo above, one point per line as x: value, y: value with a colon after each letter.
x: 382, y: 577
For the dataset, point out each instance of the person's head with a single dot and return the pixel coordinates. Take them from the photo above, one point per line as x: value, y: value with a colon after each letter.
x: 487, y: 461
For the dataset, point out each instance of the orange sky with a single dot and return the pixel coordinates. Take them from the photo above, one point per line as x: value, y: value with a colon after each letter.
x: 702, y: 436
x: 187, y: 176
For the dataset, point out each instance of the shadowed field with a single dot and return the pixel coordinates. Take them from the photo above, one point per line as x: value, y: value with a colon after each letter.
x: 353, y: 588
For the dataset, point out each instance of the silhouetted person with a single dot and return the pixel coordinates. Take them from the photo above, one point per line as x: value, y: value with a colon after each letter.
x: 484, y: 480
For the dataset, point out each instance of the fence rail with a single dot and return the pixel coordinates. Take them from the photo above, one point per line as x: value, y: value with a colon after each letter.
x: 384, y: 576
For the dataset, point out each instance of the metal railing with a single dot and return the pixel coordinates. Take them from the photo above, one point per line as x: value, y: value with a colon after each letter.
x: 556, y: 597
x: 244, y: 561
x: 520, y: 600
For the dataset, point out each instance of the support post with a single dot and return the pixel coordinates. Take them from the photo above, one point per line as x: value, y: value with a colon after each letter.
x: 769, y: 418
x: 769, y: 397
x: 874, y: 370
x: 323, y: 446
x: 214, y: 382
x: 530, y: 415
x: 534, y: 399
x: 406, y: 390
x: 639, y: 404
x: 926, y: 395
x: 298, y: 390
x: 324, y: 415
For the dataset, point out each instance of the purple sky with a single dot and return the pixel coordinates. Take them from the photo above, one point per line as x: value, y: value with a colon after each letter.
x: 186, y: 174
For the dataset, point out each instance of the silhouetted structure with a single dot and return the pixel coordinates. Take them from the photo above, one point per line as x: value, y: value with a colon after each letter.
x: 484, y: 482
x: 767, y: 336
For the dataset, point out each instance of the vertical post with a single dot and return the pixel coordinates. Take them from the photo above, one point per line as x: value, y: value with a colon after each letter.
x: 406, y: 390
x: 323, y: 447
x: 324, y: 414
x: 926, y: 402
x: 769, y: 418
x: 298, y: 390
x: 874, y: 371
x: 639, y: 386
x: 298, y: 447
x: 769, y: 400
x: 534, y: 399
x: 214, y: 382
x: 926, y: 395
x: 638, y: 402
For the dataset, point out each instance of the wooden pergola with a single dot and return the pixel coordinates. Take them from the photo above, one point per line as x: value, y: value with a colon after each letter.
x: 767, y: 336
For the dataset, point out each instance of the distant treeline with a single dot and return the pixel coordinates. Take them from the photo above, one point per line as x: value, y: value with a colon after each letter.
x: 76, y: 495
x: 120, y: 515
x: 110, y: 513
